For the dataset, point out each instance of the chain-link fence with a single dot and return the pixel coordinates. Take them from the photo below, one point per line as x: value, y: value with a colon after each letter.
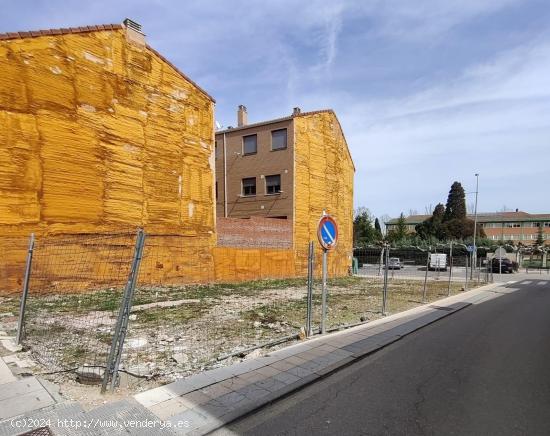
x: 75, y: 291
x: 160, y: 307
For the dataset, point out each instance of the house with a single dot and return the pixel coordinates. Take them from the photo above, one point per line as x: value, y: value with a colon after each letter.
x: 99, y: 133
x: 291, y: 168
x: 515, y: 226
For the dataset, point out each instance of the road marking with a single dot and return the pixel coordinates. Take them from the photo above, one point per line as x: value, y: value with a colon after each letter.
x: 542, y: 283
x: 526, y: 282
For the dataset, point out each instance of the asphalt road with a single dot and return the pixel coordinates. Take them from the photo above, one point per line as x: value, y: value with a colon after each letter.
x: 482, y: 371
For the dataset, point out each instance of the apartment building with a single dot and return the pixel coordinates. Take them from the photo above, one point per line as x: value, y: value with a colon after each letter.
x: 291, y: 168
x: 517, y: 226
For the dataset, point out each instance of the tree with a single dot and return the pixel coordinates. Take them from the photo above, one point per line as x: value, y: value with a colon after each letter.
x: 378, y: 229
x: 363, y: 231
x: 456, y: 203
x: 432, y: 227
x: 399, y: 232
x: 540, y: 236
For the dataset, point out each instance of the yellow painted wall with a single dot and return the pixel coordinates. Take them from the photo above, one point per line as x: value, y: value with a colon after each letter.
x: 324, y: 181
x: 98, y: 134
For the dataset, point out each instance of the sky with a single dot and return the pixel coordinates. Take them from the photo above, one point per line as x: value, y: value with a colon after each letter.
x: 427, y: 91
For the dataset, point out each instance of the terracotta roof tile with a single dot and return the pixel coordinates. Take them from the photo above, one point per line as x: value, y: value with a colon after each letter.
x: 59, y: 31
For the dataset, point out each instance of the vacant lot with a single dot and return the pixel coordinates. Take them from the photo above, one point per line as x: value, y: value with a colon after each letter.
x: 178, y: 330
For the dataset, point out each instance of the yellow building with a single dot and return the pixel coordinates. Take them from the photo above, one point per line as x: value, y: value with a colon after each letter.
x: 100, y: 133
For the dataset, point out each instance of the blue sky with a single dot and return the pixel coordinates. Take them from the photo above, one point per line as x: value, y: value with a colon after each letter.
x: 427, y: 92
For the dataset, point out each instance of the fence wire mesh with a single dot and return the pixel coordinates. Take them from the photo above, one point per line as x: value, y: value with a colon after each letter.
x: 74, y: 296
x: 184, y: 320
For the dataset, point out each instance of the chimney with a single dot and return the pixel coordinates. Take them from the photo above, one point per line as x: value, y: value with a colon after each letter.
x: 517, y: 210
x: 296, y: 111
x: 242, y: 116
x: 134, y: 33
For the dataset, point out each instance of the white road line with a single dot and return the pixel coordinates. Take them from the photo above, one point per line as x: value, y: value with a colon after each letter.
x: 526, y: 282
x: 542, y: 283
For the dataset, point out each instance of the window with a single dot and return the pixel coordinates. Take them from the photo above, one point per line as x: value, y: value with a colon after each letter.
x: 250, y: 144
x: 249, y: 186
x: 513, y: 225
x: 273, y: 184
x: 278, y: 139
x: 547, y: 224
x: 216, y: 191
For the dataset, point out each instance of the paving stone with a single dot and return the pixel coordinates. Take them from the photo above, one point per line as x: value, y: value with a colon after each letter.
x: 214, y: 409
x: 270, y: 384
x: 253, y: 392
x: 268, y: 371
x: 299, y: 371
x: 169, y: 408
x: 215, y: 391
x: 286, y: 377
x: 282, y: 365
x: 251, y: 377
x: 155, y: 396
x: 231, y: 399
x: 195, y: 398
x: 295, y: 360
x: 188, y: 420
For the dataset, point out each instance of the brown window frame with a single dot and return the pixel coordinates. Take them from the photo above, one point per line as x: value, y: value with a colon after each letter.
x: 243, y: 187
x: 253, y: 152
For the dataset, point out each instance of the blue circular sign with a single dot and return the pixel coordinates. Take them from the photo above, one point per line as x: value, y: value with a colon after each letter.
x: 327, y: 232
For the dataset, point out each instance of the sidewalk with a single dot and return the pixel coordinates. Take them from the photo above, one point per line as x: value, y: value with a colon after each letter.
x: 204, y: 402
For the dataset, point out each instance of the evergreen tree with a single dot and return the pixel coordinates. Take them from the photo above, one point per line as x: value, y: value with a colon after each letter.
x: 399, y: 233
x: 378, y: 229
x: 456, y: 203
x: 363, y: 231
x: 432, y: 227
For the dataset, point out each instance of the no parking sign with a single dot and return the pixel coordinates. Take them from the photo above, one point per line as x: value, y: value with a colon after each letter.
x: 327, y: 232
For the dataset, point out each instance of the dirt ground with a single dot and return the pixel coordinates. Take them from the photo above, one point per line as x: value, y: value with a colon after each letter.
x: 177, y: 331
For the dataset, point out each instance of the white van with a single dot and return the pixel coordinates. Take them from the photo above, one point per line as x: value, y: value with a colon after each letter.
x: 438, y: 261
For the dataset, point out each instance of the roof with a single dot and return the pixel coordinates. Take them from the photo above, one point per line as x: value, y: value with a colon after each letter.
x: 288, y: 118
x: 484, y: 217
x: 89, y: 29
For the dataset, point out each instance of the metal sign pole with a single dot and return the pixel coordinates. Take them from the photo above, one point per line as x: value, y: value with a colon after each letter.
x: 23, y: 302
x: 324, y: 294
x: 466, y: 282
x: 309, y: 289
x: 385, y: 290
x: 450, y: 270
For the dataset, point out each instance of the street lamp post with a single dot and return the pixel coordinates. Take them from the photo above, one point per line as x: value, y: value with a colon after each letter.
x: 474, y: 252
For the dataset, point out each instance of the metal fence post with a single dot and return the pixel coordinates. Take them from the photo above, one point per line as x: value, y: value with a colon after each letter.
x: 386, y: 251
x: 466, y: 281
x: 119, y: 334
x: 479, y: 271
x: 309, y: 290
x: 23, y: 302
x: 450, y: 270
x: 426, y: 279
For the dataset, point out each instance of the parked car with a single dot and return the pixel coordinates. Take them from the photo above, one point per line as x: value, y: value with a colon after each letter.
x: 394, y: 263
x: 504, y: 265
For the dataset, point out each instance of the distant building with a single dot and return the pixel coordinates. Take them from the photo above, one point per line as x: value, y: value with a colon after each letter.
x: 515, y: 226
x: 290, y: 168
